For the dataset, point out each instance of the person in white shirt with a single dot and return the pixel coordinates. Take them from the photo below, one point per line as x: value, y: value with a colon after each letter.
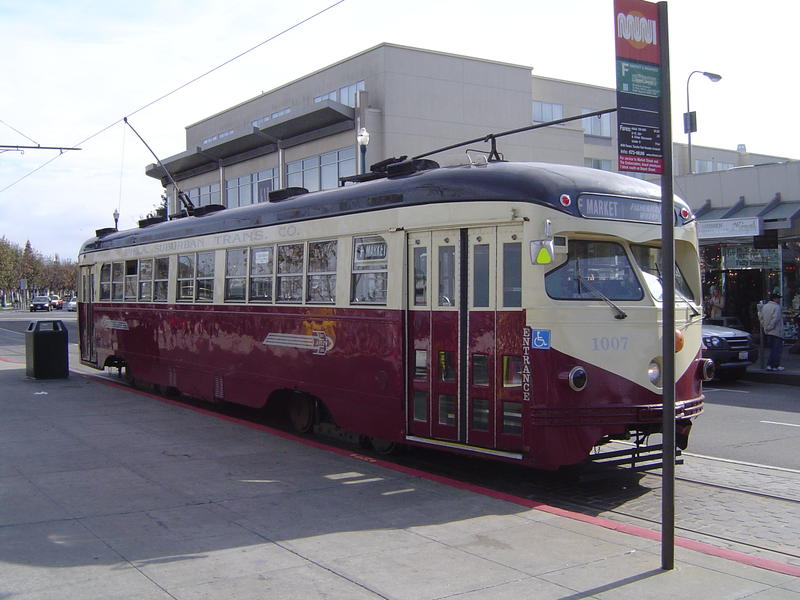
x: 772, y: 325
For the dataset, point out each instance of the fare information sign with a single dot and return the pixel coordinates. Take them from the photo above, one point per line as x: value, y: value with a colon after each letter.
x: 638, y: 86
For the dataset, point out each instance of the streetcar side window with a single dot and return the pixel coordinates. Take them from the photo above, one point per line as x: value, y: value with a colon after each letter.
x: 205, y: 277
x: 146, y: 280
x: 290, y: 273
x: 261, y: 270
x: 512, y: 418
x: 512, y: 274
x: 480, y: 285
x: 161, y: 279
x: 447, y: 275
x: 185, y: 277
x: 117, y: 280
x: 480, y: 414
x: 370, y: 270
x: 131, y: 279
x: 236, y: 275
x: 105, y: 281
x: 512, y: 371
x: 321, y: 284
x: 420, y: 276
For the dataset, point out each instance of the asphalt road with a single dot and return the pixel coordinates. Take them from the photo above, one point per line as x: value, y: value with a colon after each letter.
x: 743, y: 420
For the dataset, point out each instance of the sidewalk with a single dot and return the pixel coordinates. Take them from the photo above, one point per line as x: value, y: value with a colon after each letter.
x: 107, y: 492
x: 789, y: 376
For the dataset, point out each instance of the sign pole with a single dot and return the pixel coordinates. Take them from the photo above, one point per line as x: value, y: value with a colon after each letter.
x: 668, y: 306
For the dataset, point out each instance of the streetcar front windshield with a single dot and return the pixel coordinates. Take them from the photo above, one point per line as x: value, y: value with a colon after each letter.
x: 649, y: 261
x: 594, y: 268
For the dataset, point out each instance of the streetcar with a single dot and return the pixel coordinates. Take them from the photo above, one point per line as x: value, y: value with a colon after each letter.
x: 506, y: 310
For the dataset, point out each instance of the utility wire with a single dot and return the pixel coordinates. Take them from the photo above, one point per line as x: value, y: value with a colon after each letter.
x: 177, y: 89
x: 19, y: 132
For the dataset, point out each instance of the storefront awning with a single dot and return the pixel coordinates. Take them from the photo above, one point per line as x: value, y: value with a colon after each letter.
x: 746, y: 220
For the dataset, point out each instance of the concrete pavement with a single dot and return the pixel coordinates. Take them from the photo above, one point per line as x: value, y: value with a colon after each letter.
x: 110, y: 493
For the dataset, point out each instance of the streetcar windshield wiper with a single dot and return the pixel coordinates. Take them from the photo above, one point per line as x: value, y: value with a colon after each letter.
x: 657, y: 275
x: 621, y: 314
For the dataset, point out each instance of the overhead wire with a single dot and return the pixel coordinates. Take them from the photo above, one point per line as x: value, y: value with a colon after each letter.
x: 177, y: 89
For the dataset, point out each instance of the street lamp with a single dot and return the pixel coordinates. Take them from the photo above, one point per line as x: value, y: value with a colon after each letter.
x: 363, y: 140
x: 116, y: 219
x: 690, y: 118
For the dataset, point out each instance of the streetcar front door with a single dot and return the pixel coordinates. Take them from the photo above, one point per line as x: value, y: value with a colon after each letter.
x: 464, y: 318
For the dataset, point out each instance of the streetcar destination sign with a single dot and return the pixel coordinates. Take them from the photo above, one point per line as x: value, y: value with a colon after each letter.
x: 619, y: 209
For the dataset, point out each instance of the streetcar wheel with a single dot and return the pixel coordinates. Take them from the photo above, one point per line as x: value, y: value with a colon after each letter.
x: 384, y: 446
x: 301, y: 413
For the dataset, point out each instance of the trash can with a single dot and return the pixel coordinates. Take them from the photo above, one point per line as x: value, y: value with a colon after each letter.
x: 47, y: 350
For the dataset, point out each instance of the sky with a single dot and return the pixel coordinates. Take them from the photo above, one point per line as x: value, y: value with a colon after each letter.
x: 72, y: 70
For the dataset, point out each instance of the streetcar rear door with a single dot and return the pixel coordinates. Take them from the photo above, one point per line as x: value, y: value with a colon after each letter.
x: 86, y: 315
x: 464, y: 323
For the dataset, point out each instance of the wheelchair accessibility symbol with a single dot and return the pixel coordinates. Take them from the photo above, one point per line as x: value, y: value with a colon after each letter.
x: 540, y: 339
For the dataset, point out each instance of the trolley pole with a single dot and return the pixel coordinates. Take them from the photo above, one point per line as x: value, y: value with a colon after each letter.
x: 668, y: 305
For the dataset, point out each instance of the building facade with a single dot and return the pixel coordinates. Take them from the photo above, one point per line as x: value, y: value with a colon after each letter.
x: 412, y: 101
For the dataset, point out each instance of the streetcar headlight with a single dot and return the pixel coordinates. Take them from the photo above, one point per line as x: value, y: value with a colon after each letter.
x: 707, y: 369
x: 578, y: 378
x: 654, y: 373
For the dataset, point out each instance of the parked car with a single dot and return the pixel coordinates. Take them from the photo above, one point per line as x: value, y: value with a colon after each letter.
x: 732, y: 350
x: 56, y: 302
x: 71, y: 303
x: 40, y: 303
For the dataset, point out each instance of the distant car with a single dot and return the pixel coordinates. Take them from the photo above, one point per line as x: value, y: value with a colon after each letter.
x: 40, y: 303
x: 72, y: 304
x: 56, y: 302
x: 732, y: 350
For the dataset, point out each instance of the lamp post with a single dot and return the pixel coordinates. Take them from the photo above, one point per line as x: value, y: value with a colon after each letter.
x: 690, y: 118
x: 363, y: 140
x: 116, y: 219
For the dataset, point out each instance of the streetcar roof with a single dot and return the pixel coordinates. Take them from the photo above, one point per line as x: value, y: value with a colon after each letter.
x: 538, y: 183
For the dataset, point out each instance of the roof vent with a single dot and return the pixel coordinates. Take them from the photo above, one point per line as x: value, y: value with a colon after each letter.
x: 407, y: 167
x: 286, y: 193
x: 104, y: 231
x: 207, y: 209
x: 151, y: 221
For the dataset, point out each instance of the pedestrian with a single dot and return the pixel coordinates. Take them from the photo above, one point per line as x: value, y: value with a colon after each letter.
x: 772, y: 326
x: 715, y: 303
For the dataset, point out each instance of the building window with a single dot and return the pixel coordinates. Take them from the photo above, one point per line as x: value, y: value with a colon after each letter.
x: 547, y: 111
x: 217, y: 137
x: 370, y: 270
x: 599, y: 126
x: 725, y: 166
x: 329, y: 96
x: 322, y: 172
x: 703, y: 166
x: 348, y: 95
x: 264, y: 182
x: 278, y: 113
x: 204, y: 195
x: 597, y: 163
x: 239, y: 191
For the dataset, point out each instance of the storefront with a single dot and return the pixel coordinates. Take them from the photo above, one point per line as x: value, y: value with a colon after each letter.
x: 746, y: 258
